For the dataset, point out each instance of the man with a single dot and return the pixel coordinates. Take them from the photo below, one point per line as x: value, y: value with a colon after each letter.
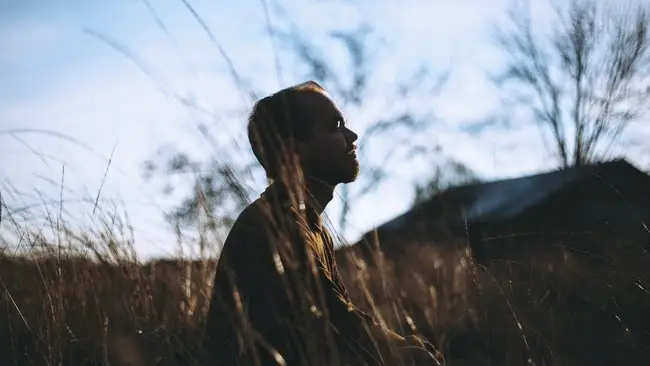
x: 278, y: 298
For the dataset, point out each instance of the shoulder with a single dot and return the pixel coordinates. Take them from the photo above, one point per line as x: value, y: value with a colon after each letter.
x: 261, y: 211
x: 251, y: 217
x: 257, y: 220
x: 255, y: 231
x: 245, y: 238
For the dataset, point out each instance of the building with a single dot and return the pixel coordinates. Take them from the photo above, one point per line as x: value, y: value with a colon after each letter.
x: 572, y: 209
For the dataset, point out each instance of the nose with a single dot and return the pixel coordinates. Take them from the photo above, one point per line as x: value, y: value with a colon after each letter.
x: 350, y: 136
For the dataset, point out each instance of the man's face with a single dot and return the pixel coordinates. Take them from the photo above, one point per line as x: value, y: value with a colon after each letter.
x: 330, y: 154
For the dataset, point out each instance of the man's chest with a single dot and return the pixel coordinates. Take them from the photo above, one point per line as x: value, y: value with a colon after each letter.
x: 317, y: 241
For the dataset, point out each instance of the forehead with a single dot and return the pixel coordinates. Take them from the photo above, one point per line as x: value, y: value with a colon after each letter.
x: 318, y: 103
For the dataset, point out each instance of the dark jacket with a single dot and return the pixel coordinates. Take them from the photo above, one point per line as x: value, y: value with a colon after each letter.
x: 277, y: 289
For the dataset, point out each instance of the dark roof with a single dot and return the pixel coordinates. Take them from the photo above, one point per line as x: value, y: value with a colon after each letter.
x: 503, y: 199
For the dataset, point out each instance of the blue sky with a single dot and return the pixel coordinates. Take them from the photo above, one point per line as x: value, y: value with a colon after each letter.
x: 57, y: 76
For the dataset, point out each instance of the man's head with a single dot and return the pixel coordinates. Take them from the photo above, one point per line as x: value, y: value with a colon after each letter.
x: 303, y: 120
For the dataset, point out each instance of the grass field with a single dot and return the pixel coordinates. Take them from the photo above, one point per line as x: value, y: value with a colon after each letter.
x: 83, y: 299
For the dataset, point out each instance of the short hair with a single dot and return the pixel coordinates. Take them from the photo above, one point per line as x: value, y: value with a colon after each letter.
x: 274, y: 120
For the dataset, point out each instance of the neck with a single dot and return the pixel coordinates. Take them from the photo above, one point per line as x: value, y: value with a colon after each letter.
x: 318, y: 191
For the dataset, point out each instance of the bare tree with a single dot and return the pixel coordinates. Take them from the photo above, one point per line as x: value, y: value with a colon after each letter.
x: 217, y: 189
x: 586, y: 80
x: 351, y: 90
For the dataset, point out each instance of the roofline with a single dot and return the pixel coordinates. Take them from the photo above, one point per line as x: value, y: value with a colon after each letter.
x: 597, y: 166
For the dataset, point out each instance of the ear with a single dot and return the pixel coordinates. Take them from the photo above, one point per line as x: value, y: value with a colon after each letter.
x: 292, y: 146
x: 293, y: 162
x: 301, y: 146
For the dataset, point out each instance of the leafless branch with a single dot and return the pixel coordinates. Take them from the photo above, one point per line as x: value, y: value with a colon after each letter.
x: 587, y: 80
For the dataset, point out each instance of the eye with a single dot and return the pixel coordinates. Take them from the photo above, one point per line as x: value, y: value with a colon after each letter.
x: 338, y: 124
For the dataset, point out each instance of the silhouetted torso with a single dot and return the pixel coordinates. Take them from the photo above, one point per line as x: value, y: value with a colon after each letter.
x: 276, y: 284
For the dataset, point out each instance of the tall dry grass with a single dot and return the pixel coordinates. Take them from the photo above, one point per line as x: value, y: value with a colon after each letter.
x: 85, y: 299
x: 82, y: 297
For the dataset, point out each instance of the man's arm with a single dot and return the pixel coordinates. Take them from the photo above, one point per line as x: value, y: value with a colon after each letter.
x: 342, y: 291
x: 354, y: 326
x: 375, y: 327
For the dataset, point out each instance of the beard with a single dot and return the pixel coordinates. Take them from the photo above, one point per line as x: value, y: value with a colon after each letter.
x: 342, y: 170
x: 351, y: 174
